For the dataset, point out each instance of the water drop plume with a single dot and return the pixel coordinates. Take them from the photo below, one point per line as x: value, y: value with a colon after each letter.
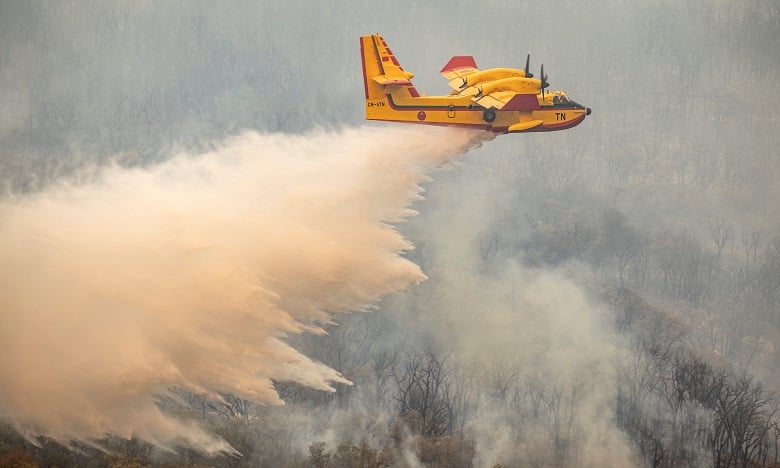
x: 189, y: 275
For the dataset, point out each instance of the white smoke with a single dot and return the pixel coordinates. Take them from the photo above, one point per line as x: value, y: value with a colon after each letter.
x: 187, y: 275
x: 537, y: 350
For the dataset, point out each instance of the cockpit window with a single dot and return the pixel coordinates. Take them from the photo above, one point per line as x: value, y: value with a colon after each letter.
x: 563, y: 100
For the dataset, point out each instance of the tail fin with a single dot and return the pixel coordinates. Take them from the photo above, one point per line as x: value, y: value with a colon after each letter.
x: 382, y: 75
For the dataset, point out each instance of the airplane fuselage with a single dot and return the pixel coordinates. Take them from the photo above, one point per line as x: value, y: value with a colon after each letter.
x: 500, y: 100
x: 461, y: 111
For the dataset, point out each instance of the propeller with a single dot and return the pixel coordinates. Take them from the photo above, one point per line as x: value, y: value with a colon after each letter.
x: 528, y: 73
x: 544, y: 82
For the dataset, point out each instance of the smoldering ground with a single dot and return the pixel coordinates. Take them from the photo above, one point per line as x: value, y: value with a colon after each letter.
x: 189, y: 275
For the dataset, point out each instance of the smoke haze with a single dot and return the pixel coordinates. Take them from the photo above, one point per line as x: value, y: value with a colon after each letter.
x: 189, y: 274
x: 537, y: 352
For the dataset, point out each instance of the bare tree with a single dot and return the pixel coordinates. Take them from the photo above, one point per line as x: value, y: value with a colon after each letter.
x: 425, y: 396
x: 719, y: 232
x: 769, y: 280
x: 750, y: 245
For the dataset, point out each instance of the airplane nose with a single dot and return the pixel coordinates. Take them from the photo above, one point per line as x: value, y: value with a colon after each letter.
x: 587, y: 111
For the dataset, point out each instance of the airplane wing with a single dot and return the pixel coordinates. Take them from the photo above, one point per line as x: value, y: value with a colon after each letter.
x: 508, y: 101
x: 458, y: 67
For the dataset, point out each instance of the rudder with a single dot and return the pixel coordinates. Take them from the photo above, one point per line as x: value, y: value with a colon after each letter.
x: 371, y: 68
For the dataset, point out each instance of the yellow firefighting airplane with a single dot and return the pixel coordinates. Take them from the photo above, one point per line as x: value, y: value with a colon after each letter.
x: 501, y: 100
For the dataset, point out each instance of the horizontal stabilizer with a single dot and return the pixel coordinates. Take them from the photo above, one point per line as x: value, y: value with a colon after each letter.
x: 386, y: 80
x: 522, y: 126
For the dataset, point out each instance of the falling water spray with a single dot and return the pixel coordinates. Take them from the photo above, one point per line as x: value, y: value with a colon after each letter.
x: 190, y: 274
